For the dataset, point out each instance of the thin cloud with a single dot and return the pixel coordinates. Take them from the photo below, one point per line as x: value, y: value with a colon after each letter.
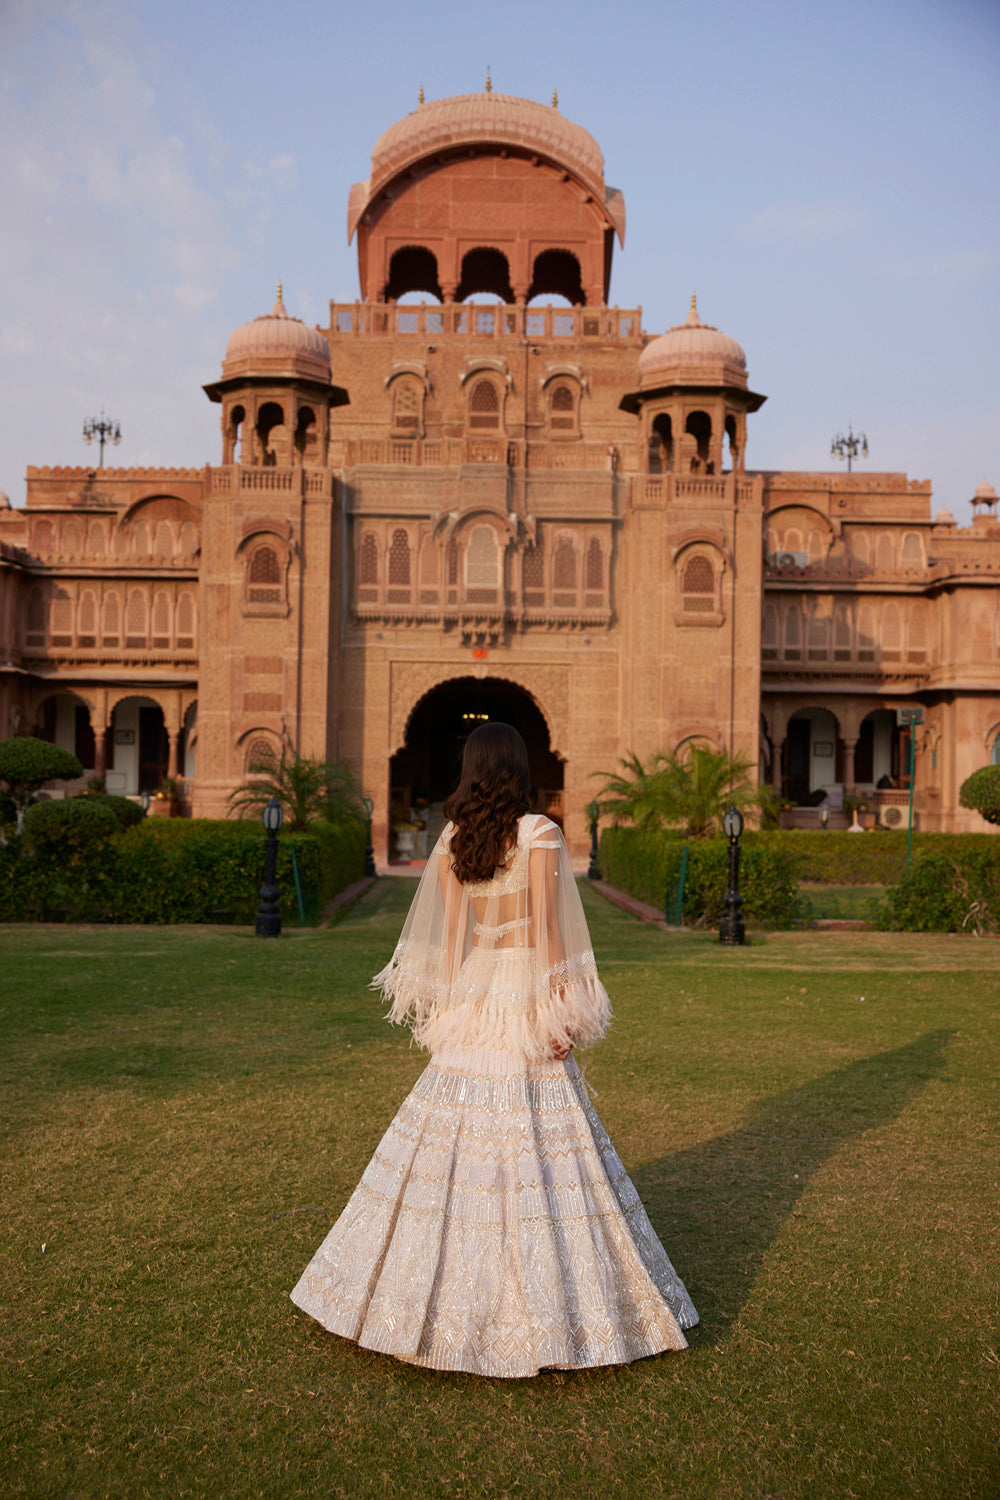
x: 788, y: 222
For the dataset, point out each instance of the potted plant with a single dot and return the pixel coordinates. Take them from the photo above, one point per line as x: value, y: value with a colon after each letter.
x: 164, y: 803
x: 405, y: 834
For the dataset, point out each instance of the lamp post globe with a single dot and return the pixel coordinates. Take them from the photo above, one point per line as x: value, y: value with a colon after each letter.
x: 268, y: 922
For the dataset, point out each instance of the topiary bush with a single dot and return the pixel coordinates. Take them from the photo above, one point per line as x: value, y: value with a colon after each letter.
x: 68, y: 829
x: 981, y: 791
x: 127, y: 813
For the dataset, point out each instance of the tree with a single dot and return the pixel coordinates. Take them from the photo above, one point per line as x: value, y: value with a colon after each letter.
x: 690, y: 790
x: 309, y: 790
x: 981, y: 791
x: 26, y: 764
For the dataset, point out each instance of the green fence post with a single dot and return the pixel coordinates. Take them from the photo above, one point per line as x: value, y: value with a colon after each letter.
x: 298, y: 886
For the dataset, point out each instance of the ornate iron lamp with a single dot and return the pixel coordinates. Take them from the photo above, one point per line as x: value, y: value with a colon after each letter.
x: 369, y: 807
x: 849, y: 446
x: 268, y: 922
x: 104, y: 430
x: 731, y: 930
x: 144, y: 801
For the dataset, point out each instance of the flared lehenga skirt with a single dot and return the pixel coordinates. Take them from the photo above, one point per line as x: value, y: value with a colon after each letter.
x: 495, y: 1231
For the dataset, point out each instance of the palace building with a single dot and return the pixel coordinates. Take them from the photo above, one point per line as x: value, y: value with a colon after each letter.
x: 458, y: 500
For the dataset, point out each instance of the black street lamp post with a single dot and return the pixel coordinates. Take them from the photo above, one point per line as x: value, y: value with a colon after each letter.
x: 593, y: 816
x: 849, y: 445
x: 731, y: 930
x: 369, y: 808
x: 268, y: 916
x: 104, y: 430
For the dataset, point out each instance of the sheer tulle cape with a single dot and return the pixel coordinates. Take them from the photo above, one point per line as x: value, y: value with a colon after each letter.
x: 503, y: 963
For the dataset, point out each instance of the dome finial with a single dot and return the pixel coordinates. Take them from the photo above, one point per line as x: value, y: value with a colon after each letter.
x: 420, y: 96
x: 278, y: 310
x: 489, y: 80
x: 692, y: 320
x: 555, y: 98
x: 694, y: 301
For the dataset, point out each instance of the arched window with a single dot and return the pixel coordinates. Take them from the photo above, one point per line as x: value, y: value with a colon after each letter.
x: 484, y: 405
x: 917, y: 634
x: 562, y: 409
x: 264, y: 577
x: 163, y: 546
x: 189, y: 539
x: 699, y: 427
x: 140, y: 539
x: 71, y: 540
x: 867, y: 640
x: 860, y: 549
x: 60, y: 617
x: 912, y: 555
x: 112, y: 619
x: 43, y: 537
x: 452, y: 563
x: 534, y: 576
x: 819, y: 632
x: 793, y: 633
x: 368, y: 570
x: 995, y: 752
x: 135, y: 619
x: 96, y: 539
x: 185, y: 622
x: 399, y: 568
x: 482, y: 566
x: 842, y: 633
x: 661, y: 445
x: 36, y: 617
x: 86, y: 620
x: 891, y: 633
x: 698, y: 585
x: 769, y: 634
x: 595, y: 567
x: 564, y: 563
x: 161, y: 620
x: 261, y: 757
x: 406, y: 405
x: 884, y: 555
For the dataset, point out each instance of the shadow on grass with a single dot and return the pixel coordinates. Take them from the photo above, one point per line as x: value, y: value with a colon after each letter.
x: 720, y: 1205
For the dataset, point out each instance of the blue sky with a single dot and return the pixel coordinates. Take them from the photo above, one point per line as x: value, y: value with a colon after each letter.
x: 826, y: 178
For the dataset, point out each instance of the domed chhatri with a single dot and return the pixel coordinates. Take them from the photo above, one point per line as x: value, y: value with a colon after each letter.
x: 277, y: 344
x: 694, y: 353
x: 496, y: 119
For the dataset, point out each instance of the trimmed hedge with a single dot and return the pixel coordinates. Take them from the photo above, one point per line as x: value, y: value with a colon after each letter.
x: 875, y: 858
x: 68, y: 830
x: 174, y: 870
x: 648, y: 865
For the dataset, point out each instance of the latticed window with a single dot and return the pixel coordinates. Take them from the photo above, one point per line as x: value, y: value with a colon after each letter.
x: 819, y: 637
x: 43, y: 536
x: 264, y: 577
x: 564, y: 564
x: 61, y: 619
x: 913, y: 550
x: 866, y: 633
x: 891, y: 632
x: 71, y: 540
x: 261, y: 756
x: 595, y: 566
x: 842, y: 634
x: 96, y: 540
x: 452, y: 564
x: 140, y: 540
x: 484, y: 405
x: 369, y: 559
x: 36, y: 612
x: 917, y: 644
x: 884, y: 559
x: 135, y: 619
x: 481, y: 559
x: 769, y: 634
x: 399, y: 560
x: 534, y: 576
x: 185, y: 620
x: 698, y: 586
x: 405, y: 406
x: 161, y: 620
x: 112, y: 624
x: 86, y: 619
x: 793, y: 633
x: 562, y: 409
x: 164, y: 544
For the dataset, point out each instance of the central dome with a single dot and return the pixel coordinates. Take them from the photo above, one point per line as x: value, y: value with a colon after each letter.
x: 694, y: 353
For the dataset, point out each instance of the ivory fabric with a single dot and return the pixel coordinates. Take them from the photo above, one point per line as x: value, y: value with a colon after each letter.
x: 495, y: 1230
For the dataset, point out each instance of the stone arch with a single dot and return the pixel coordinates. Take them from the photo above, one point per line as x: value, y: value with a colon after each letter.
x: 557, y: 273
x: 413, y: 268
x: 547, y: 687
x: 485, y: 270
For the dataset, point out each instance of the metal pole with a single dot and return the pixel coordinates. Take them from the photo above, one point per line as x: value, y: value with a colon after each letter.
x: 913, y: 766
x: 268, y: 922
x: 731, y: 928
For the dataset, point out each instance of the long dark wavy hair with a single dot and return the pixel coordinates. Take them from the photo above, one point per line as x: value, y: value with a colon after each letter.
x: 493, y: 793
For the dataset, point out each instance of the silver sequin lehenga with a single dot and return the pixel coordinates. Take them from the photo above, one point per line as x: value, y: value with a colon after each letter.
x: 495, y: 1230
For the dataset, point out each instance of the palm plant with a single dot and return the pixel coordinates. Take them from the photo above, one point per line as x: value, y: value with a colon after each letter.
x: 689, y: 789
x: 309, y: 790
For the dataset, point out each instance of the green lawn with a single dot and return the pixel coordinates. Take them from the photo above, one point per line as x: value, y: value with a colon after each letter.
x: 812, y: 1121
x: 853, y: 902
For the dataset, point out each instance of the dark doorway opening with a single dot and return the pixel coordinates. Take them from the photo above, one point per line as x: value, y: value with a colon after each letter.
x: 427, y: 769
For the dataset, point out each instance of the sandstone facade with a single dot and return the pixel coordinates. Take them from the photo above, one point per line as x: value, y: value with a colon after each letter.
x: 440, y: 509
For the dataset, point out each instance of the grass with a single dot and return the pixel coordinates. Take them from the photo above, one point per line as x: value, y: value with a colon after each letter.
x: 838, y: 902
x: 812, y: 1122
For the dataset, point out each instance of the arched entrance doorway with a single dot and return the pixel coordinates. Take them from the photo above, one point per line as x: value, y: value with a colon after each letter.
x: 426, y: 769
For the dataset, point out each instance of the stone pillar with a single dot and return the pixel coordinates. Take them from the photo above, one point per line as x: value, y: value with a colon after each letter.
x: 849, y: 786
x: 777, y: 746
x: 100, y: 751
x: 172, y: 740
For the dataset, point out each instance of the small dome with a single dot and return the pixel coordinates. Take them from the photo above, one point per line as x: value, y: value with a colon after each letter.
x: 985, y: 494
x: 692, y: 353
x: 944, y: 517
x: 5, y: 501
x: 279, y: 345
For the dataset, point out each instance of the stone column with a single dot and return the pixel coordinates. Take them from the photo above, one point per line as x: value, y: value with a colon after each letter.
x: 172, y: 740
x: 849, y: 786
x: 776, y: 748
x: 100, y: 751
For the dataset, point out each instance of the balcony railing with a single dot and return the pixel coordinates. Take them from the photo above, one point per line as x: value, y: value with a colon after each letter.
x: 484, y: 321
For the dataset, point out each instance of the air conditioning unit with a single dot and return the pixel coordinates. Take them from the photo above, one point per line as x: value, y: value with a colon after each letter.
x: 894, y: 816
x: 791, y: 559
